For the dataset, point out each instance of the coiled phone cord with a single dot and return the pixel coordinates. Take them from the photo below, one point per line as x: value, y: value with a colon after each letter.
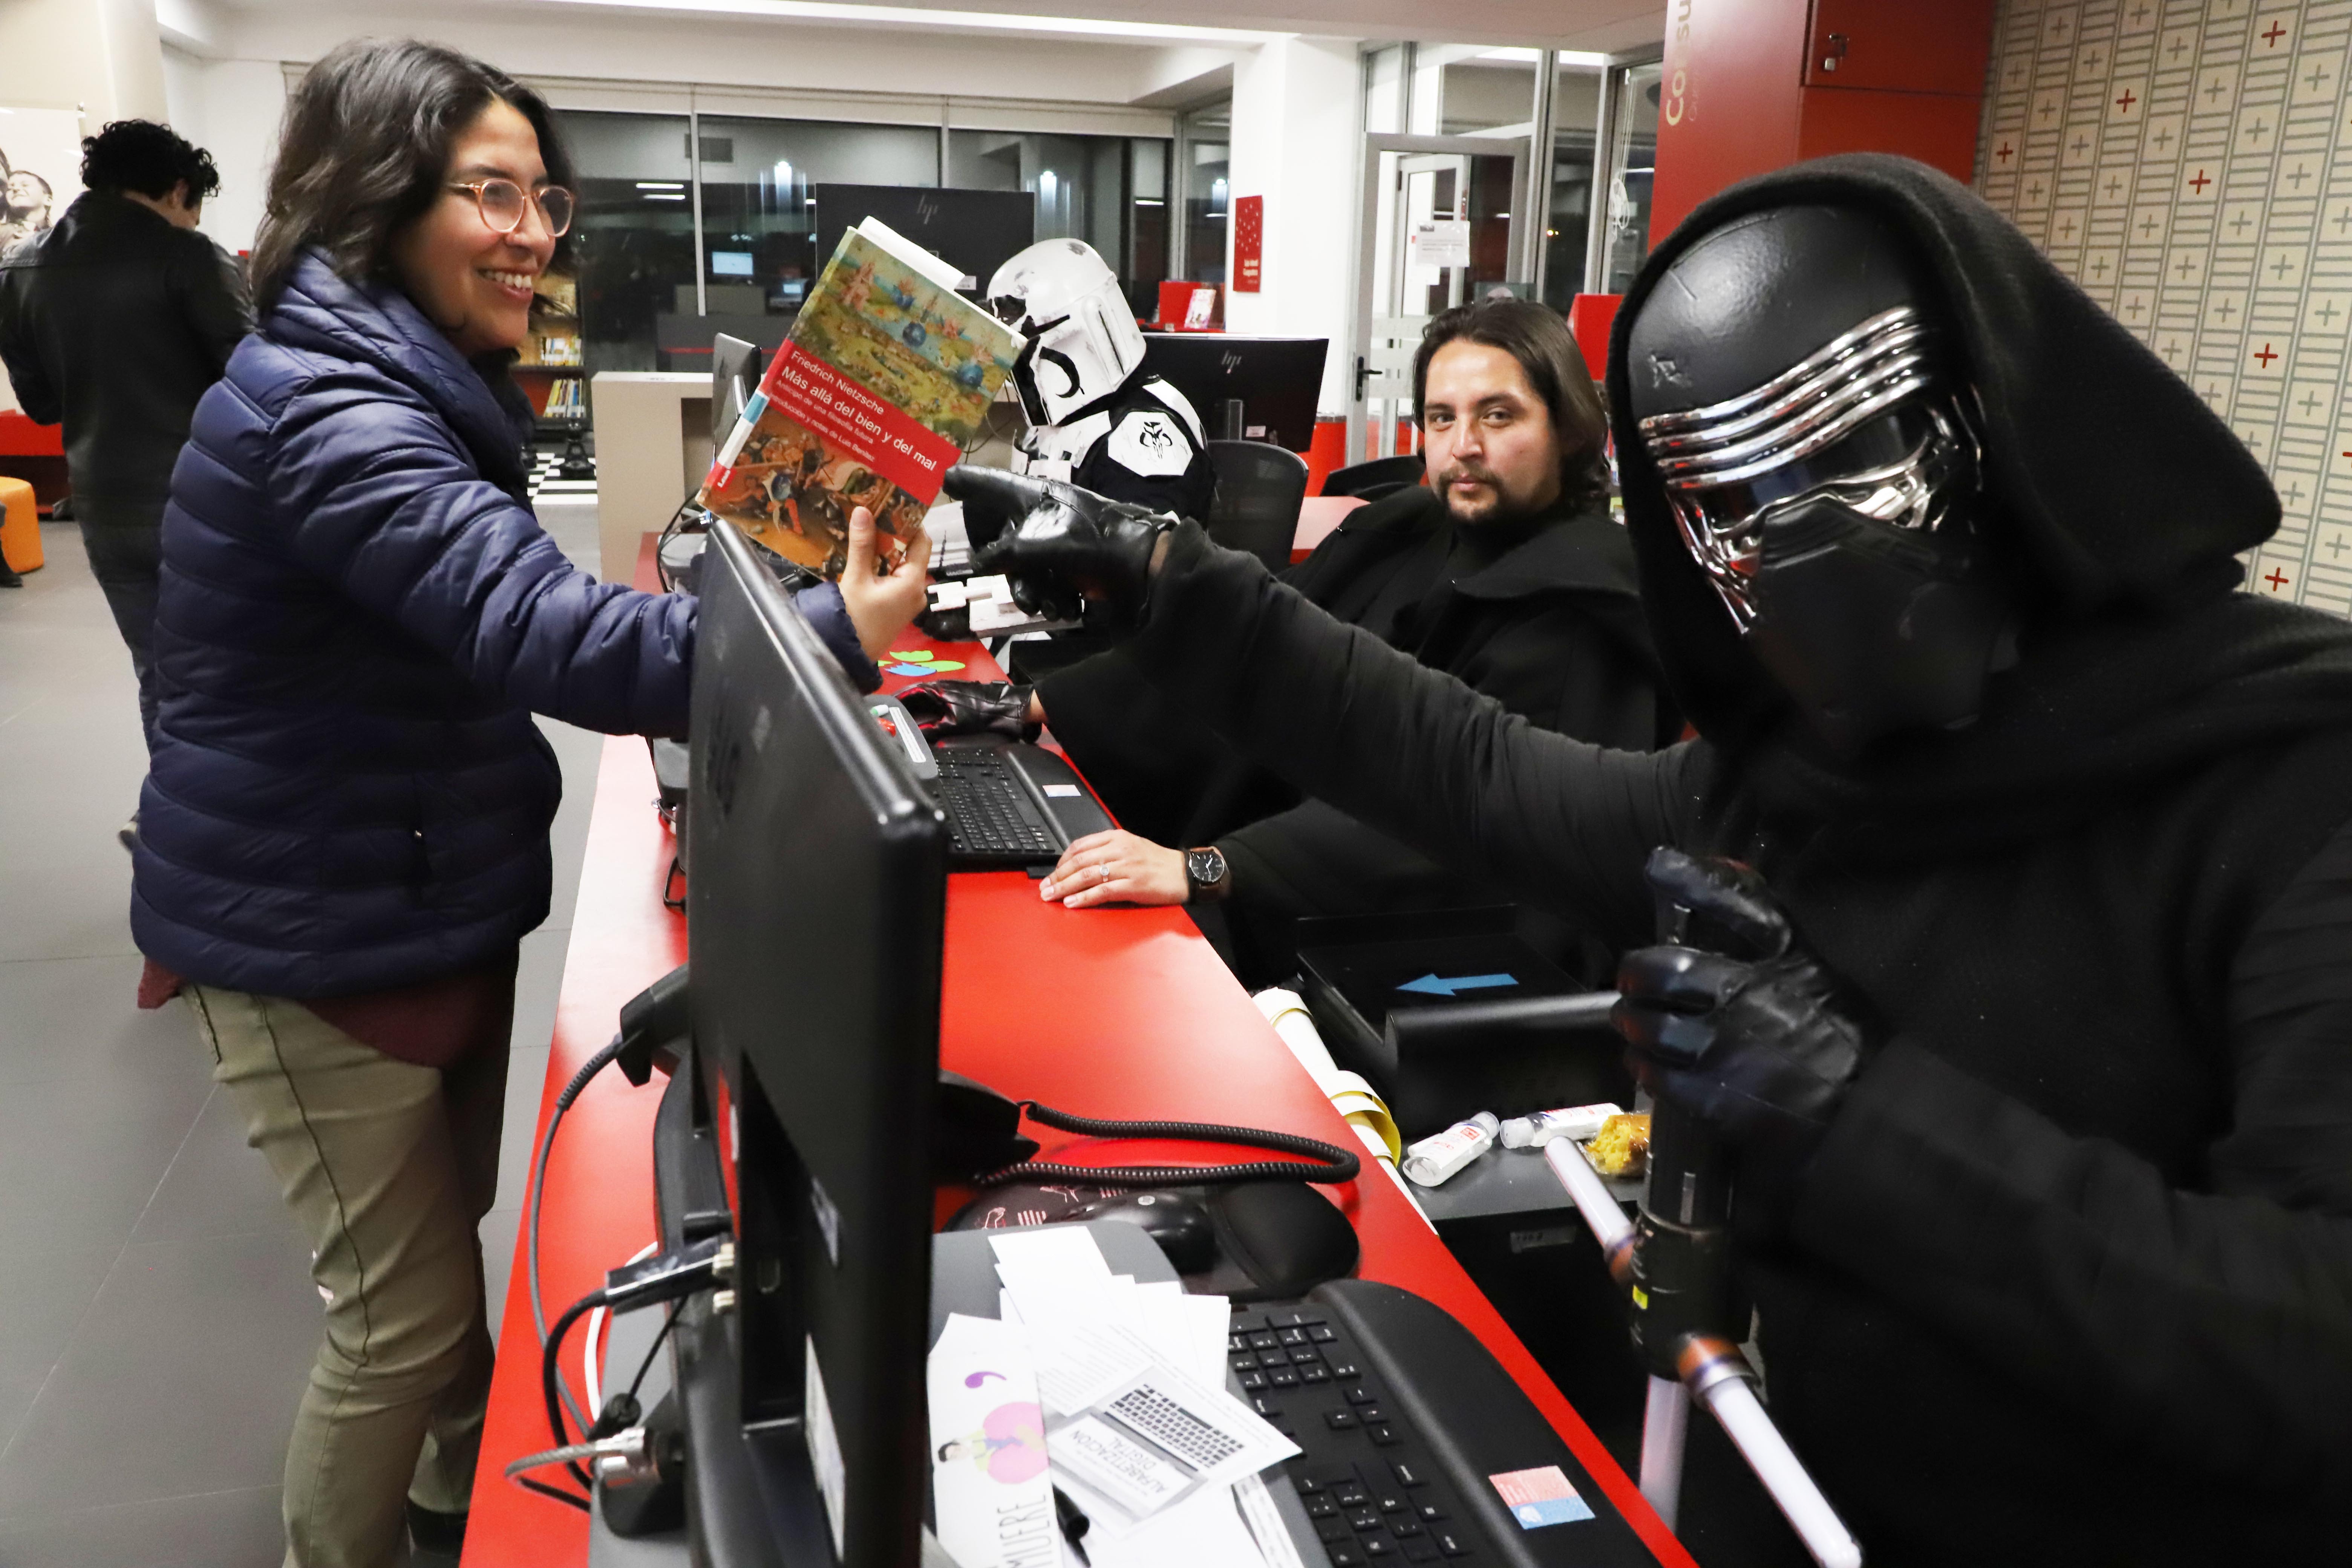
x: 1332, y: 1166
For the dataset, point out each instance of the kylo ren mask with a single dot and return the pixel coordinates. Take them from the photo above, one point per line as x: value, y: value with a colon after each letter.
x: 1822, y: 462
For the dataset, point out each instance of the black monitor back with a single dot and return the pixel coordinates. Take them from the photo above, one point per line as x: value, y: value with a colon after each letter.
x: 815, y: 914
x: 974, y: 231
x: 1278, y: 380
x: 734, y: 378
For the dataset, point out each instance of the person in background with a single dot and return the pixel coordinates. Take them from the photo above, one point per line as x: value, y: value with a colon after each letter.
x: 29, y: 199
x: 114, y: 321
x: 344, y: 828
x: 1504, y: 570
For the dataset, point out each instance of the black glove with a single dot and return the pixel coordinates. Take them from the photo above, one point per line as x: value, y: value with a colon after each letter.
x: 1747, y: 1032
x: 1070, y: 554
x: 970, y: 708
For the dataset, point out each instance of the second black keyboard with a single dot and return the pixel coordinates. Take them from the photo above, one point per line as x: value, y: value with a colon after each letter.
x: 992, y: 819
x: 1414, y: 1440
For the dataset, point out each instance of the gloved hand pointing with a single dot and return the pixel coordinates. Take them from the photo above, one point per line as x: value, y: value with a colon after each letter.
x: 1067, y: 551
x: 1741, y: 1028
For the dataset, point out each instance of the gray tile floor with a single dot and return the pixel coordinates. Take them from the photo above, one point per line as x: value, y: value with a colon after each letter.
x: 156, y: 1314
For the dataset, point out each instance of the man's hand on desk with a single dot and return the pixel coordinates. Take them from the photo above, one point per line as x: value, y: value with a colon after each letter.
x: 881, y: 603
x: 1117, y: 867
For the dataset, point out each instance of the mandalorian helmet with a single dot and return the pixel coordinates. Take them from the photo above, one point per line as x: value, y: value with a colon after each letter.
x: 1792, y: 385
x: 1083, y: 340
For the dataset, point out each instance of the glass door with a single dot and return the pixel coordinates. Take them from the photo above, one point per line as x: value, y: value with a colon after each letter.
x: 1439, y: 222
x: 1622, y: 243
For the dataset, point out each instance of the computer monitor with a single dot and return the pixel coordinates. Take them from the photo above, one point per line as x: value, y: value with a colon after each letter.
x: 1278, y: 380
x: 735, y: 368
x: 975, y: 232
x: 814, y: 912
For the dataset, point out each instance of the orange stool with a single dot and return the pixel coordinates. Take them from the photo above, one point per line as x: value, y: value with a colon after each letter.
x: 20, y: 526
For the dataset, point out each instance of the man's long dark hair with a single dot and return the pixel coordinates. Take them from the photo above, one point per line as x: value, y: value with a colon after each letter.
x: 1537, y: 337
x: 366, y: 148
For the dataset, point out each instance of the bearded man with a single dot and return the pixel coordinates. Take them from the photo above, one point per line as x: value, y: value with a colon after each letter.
x: 1504, y: 570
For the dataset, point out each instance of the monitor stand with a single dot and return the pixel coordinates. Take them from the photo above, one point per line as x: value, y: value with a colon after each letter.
x: 752, y: 1497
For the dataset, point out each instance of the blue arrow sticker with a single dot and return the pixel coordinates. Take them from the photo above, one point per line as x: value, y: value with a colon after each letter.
x: 1430, y: 986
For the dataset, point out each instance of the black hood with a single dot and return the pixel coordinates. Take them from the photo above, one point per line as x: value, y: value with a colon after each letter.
x: 2116, y: 502
x: 2112, y: 485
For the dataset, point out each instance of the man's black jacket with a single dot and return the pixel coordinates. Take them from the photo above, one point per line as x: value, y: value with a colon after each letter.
x: 1549, y: 626
x: 115, y: 321
x: 2070, y: 1279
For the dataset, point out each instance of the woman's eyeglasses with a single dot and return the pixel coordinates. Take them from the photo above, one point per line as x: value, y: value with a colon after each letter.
x: 503, y: 205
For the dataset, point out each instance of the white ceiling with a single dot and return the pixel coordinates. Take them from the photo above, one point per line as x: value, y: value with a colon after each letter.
x: 1593, y: 26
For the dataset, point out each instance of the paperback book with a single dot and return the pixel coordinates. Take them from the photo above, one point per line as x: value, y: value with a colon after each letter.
x: 881, y: 386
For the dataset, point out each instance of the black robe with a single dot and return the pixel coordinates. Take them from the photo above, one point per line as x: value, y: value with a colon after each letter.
x: 2070, y: 1279
x: 1543, y: 616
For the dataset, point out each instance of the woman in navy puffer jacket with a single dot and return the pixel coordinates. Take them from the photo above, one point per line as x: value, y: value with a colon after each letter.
x: 344, y: 833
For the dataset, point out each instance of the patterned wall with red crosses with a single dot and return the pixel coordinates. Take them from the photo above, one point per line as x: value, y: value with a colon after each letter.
x: 2190, y: 164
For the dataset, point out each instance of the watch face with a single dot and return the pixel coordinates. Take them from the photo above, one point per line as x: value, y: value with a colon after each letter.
x: 1205, y: 867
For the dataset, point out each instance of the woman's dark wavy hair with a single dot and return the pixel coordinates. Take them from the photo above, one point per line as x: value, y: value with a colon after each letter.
x: 365, y: 150
x: 1537, y: 337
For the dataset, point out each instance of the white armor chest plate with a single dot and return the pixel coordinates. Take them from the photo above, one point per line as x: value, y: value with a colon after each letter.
x: 1053, y: 451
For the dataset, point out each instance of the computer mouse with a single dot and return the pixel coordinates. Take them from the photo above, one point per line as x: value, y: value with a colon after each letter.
x: 1179, y: 1225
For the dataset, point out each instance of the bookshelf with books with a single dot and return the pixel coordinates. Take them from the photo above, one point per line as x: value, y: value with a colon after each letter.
x: 552, y: 370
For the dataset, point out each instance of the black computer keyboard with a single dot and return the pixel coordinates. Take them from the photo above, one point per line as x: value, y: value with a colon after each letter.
x: 1367, y: 1482
x: 992, y: 817
x: 1359, y: 1375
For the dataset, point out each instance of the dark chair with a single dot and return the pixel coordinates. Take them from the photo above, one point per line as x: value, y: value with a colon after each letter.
x: 1380, y: 477
x: 1259, y: 486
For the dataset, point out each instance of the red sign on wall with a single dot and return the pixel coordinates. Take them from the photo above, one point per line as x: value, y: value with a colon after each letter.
x: 1249, y: 241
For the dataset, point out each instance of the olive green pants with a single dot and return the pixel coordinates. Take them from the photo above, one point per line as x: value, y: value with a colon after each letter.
x: 389, y: 1168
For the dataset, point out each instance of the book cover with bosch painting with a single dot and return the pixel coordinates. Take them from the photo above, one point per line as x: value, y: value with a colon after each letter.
x: 880, y: 388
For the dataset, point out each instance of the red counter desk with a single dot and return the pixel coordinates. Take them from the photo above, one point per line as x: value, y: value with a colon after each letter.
x: 1112, y: 1013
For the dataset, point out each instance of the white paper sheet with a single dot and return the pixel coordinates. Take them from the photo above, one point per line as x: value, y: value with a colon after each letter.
x: 1147, y: 1442
x: 989, y: 1487
x: 1204, y: 1528
x: 1094, y: 1336
x: 1066, y: 1250
x: 1276, y: 1549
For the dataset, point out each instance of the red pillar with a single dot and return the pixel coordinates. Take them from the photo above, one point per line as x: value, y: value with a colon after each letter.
x: 1754, y: 85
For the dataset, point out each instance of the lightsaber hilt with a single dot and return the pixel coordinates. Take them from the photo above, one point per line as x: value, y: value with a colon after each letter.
x: 1681, y: 1267
x: 1673, y: 1263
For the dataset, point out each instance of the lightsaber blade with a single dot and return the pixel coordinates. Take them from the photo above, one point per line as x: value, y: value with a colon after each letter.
x: 1808, y: 1513
x: 1666, y: 1426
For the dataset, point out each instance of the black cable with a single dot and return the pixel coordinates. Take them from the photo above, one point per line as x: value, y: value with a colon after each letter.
x: 1333, y: 1165
x: 551, y: 1377
x: 670, y: 530
x: 558, y: 1493
x: 669, y: 1321
x: 588, y: 1069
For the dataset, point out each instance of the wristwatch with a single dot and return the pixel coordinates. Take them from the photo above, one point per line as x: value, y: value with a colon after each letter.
x: 1206, y: 875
